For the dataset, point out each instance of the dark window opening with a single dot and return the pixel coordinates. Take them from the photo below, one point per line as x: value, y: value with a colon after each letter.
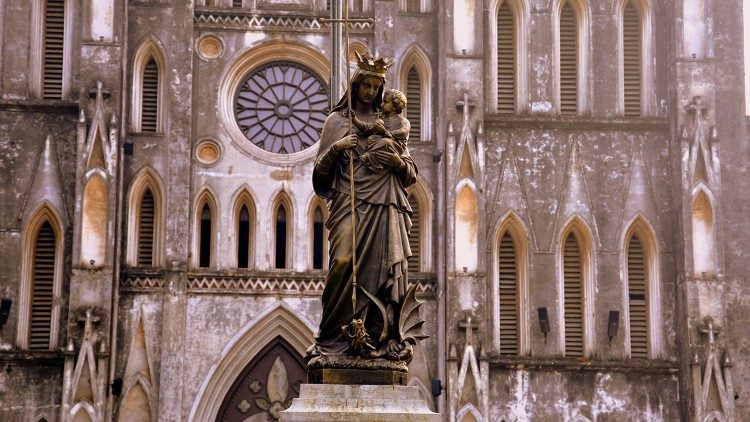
x: 243, y: 239
x: 281, y: 237
x: 318, y: 239
x: 204, y: 259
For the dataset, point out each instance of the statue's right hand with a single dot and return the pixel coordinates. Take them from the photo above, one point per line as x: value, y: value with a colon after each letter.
x: 347, y: 142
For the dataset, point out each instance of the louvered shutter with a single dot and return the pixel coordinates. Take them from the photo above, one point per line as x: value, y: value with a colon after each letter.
x: 637, y: 299
x: 414, y: 236
x: 150, y: 96
x: 568, y: 61
x: 631, y: 49
x: 573, y: 292
x: 506, y: 60
x: 414, y: 104
x: 54, y: 36
x: 413, y: 6
x: 508, y: 279
x: 42, y: 289
x: 146, y: 231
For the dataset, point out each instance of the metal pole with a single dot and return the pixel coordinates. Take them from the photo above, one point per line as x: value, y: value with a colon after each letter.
x: 336, y: 48
x: 351, y: 164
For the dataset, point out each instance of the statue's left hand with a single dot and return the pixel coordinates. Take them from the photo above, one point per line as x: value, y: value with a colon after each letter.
x: 390, y: 159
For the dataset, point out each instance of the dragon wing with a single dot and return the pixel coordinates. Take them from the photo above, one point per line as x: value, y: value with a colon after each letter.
x: 409, y: 321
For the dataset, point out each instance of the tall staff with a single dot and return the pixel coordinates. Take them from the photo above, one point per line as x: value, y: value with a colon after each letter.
x: 345, y: 21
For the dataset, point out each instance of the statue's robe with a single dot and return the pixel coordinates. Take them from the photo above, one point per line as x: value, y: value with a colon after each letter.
x: 382, y: 233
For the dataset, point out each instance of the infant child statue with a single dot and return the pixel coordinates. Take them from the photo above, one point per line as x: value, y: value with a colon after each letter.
x: 389, y: 133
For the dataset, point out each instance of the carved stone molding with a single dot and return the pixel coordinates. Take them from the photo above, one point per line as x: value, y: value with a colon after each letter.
x: 269, y: 22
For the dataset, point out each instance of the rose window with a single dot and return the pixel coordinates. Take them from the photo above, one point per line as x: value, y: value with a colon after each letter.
x: 281, y: 107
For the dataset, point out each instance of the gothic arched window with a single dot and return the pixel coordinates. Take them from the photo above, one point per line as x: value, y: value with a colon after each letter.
x: 414, y: 104
x: 569, y: 60
x: 507, y: 268
x: 146, y: 232
x: 42, y: 287
x: 573, y: 296
x: 506, y: 59
x: 243, y: 238
x: 631, y: 51
x: 318, y: 228
x: 637, y: 298
x: 415, y: 237
x: 281, y: 236
x: 204, y: 237
x: 54, y: 52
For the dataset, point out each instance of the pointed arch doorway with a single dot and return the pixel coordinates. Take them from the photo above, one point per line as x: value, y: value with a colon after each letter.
x: 277, y: 331
x: 266, y: 386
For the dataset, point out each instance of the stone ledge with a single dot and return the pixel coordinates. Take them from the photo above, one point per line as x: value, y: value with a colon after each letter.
x: 644, y: 366
x: 536, y: 121
x: 370, y: 403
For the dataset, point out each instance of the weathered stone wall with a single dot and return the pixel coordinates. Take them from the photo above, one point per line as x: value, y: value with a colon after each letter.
x: 602, y: 167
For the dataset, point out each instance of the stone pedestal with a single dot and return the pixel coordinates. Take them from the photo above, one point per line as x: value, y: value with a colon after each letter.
x: 331, y: 402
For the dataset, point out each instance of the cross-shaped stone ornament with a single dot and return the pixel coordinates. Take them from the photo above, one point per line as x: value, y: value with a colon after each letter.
x: 710, y: 329
x: 466, y: 105
x: 468, y: 325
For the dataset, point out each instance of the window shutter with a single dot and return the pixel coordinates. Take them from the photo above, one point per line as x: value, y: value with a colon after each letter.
x: 42, y: 289
x: 508, y: 279
x: 506, y: 60
x: 637, y: 299
x: 573, y: 292
x: 568, y: 61
x: 631, y: 49
x: 413, y: 6
x: 414, y: 104
x: 414, y: 235
x: 54, y: 36
x: 150, y: 96
x: 146, y: 228
x: 236, y: 3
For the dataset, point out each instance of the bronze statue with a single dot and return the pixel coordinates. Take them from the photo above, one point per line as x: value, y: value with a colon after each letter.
x: 370, y: 317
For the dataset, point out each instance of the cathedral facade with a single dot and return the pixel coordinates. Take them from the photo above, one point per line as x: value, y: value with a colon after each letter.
x: 580, y: 235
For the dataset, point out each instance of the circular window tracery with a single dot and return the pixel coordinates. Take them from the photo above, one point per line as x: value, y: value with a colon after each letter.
x: 281, y: 107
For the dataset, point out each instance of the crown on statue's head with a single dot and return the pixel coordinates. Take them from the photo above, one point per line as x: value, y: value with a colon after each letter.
x: 368, y: 65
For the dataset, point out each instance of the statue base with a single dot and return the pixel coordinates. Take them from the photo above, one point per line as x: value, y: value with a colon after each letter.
x: 345, y: 369
x: 367, y: 403
x: 356, y: 376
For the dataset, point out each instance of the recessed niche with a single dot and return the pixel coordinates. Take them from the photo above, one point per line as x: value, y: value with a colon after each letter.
x: 210, y: 47
x: 208, y: 152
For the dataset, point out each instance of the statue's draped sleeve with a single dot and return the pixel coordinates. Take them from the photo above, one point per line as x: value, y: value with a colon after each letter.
x: 334, y: 128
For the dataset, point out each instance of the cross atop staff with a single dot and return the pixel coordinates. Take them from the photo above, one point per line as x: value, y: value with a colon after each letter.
x: 337, y: 20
